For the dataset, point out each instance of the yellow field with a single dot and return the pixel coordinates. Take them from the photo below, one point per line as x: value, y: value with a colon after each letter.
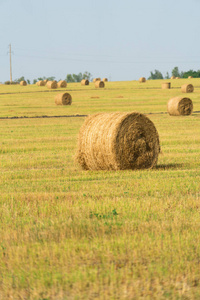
x: 73, y: 234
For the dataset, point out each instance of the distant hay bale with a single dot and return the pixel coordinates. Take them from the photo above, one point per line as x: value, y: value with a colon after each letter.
x: 190, y: 77
x: 180, y: 106
x: 63, y: 99
x: 52, y: 84
x: 40, y: 83
x: 117, y: 141
x: 177, y: 77
x: 142, y: 79
x: 166, y: 85
x: 173, y: 77
x: 62, y: 84
x: 187, y: 88
x: 23, y: 83
x: 45, y: 81
x: 84, y: 82
x: 105, y: 79
x: 97, y: 79
x: 99, y: 84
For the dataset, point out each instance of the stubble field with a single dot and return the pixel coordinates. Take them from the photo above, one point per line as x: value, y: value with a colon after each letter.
x: 72, y: 234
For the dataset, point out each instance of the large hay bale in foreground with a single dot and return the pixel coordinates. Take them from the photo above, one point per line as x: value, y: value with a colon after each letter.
x: 52, y: 84
x: 180, y: 106
x: 99, y: 84
x: 84, y: 82
x: 117, y: 141
x: 166, y: 85
x: 63, y: 99
x: 105, y: 79
x: 142, y: 79
x: 62, y: 84
x: 40, y: 83
x: 23, y: 83
x: 187, y: 88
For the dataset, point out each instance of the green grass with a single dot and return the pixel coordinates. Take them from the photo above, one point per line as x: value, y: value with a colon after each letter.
x: 73, y: 234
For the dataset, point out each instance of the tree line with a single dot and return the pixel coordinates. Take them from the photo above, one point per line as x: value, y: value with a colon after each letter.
x: 175, y: 72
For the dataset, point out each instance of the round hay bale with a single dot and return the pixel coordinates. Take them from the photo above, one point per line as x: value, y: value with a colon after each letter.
x: 41, y: 83
x: 105, y: 79
x: 62, y: 84
x: 45, y: 81
x: 117, y: 141
x: 166, y: 85
x: 187, y: 88
x: 190, y: 77
x: 177, y: 77
x: 63, y: 99
x: 23, y: 83
x: 173, y: 77
x: 99, y: 84
x: 97, y: 79
x: 52, y: 84
x: 180, y: 106
x: 84, y: 82
x: 142, y: 79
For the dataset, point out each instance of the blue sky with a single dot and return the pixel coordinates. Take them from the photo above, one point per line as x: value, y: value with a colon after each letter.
x: 121, y: 40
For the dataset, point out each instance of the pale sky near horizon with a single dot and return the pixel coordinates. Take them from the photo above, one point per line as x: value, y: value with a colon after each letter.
x: 121, y: 40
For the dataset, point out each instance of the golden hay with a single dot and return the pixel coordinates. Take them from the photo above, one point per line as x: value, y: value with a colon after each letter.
x: 142, y: 79
x: 62, y: 84
x: 187, y: 88
x: 166, y: 85
x: 117, y: 141
x: 52, y: 84
x: 99, y: 84
x: 173, y: 77
x: 177, y: 78
x: 180, y: 106
x: 105, y: 79
x: 63, y: 99
x: 96, y: 79
x: 23, y: 83
x: 84, y: 82
x: 41, y: 83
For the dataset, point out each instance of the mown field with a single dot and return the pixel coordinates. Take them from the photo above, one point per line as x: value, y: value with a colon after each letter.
x: 72, y: 234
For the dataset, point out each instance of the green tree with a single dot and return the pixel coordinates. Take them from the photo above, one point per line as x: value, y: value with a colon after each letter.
x: 175, y: 72
x: 167, y: 76
x: 20, y: 79
x: 78, y: 77
x: 195, y: 74
x: 156, y: 75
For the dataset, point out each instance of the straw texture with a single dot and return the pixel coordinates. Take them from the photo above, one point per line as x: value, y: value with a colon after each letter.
x: 23, y: 83
x: 142, y: 79
x: 187, y: 88
x: 179, y: 106
x: 40, y: 83
x: 62, y: 84
x: 117, y: 141
x: 63, y: 99
x: 84, y: 82
x: 99, y: 84
x: 51, y: 85
x: 166, y: 85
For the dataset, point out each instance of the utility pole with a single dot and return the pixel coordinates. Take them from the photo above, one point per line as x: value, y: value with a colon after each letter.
x: 10, y: 64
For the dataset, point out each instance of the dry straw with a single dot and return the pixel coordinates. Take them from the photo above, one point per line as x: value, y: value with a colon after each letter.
x: 99, y: 84
x: 62, y: 84
x: 180, y: 106
x: 63, y: 99
x: 117, y: 141
x: 23, y: 83
x: 52, y: 85
x: 97, y: 79
x: 84, y: 82
x: 173, y: 77
x: 187, y: 88
x: 40, y: 83
x: 166, y: 85
x: 142, y: 79
x: 105, y: 79
x: 45, y: 81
